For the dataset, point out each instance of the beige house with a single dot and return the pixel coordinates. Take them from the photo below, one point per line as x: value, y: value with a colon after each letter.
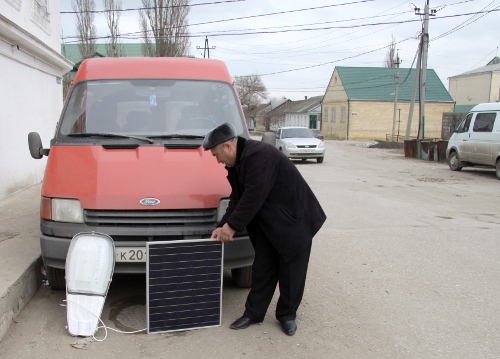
x: 476, y: 86
x: 359, y: 104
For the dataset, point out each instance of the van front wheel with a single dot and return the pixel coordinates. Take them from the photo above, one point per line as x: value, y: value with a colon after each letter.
x: 497, y: 169
x: 454, y: 162
x: 55, y: 276
x: 242, y: 277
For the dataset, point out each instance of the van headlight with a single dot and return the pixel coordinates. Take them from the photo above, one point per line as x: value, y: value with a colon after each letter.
x: 221, y: 210
x: 321, y: 145
x: 67, y: 210
x: 290, y: 145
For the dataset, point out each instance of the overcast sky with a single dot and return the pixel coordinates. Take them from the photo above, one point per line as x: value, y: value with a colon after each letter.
x: 295, y: 45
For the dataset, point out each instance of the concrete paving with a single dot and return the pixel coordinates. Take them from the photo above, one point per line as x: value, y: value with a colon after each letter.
x: 20, y: 257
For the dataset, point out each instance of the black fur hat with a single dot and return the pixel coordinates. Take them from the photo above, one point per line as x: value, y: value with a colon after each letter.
x: 220, y: 134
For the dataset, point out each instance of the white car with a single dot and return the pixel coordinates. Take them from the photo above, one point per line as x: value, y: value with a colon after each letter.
x: 476, y: 141
x: 299, y: 143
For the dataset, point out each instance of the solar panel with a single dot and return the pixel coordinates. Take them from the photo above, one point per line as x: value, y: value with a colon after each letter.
x: 184, y: 288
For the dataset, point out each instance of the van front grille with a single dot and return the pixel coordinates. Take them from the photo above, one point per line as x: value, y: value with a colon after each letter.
x: 188, y: 217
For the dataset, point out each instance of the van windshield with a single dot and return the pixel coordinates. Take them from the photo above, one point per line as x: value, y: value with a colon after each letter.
x: 150, y: 108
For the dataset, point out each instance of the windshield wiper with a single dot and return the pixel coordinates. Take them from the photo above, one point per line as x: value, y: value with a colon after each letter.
x: 177, y: 135
x: 110, y: 135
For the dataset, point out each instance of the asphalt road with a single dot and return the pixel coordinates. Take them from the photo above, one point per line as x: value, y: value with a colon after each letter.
x: 406, y: 266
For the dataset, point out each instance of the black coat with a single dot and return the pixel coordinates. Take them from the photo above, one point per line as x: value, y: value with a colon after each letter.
x: 269, y: 192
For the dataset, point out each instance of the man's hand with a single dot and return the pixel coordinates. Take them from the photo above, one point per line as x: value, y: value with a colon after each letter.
x: 223, y: 234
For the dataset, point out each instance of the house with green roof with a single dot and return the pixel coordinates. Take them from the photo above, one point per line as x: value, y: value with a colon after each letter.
x: 476, y: 86
x: 359, y: 104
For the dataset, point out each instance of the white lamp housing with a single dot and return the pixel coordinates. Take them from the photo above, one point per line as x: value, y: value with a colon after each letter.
x: 89, y: 269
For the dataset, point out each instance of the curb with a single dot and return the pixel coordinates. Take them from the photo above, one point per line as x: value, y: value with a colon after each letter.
x: 18, y: 295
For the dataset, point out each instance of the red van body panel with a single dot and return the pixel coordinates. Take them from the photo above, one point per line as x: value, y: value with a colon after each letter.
x: 154, y: 68
x: 179, y: 178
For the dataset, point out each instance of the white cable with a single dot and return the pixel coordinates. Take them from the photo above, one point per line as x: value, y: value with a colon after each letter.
x: 103, y: 325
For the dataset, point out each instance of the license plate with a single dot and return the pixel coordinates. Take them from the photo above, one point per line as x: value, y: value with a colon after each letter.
x: 130, y: 254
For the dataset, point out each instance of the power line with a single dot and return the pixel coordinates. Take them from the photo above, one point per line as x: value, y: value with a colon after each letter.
x: 331, y: 62
x: 147, y: 8
x: 131, y: 35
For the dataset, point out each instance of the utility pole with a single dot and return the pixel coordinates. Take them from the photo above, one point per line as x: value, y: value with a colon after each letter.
x: 423, y: 73
x: 414, y: 91
x: 206, y: 48
x: 395, y: 97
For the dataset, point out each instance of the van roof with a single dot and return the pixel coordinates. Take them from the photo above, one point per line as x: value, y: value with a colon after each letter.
x: 492, y: 106
x: 152, y: 67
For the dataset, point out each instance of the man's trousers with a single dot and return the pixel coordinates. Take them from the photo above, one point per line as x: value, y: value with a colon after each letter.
x: 270, y: 269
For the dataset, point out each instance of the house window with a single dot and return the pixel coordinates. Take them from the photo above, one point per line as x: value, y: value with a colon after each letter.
x: 41, y: 15
x: 333, y: 114
x: 326, y: 115
x: 342, y: 115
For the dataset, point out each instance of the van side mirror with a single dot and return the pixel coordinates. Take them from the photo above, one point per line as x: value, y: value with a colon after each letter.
x: 452, y: 128
x: 269, y: 137
x: 35, y: 144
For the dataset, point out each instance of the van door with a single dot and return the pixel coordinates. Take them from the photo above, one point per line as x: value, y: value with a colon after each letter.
x: 481, y: 138
x: 461, y: 138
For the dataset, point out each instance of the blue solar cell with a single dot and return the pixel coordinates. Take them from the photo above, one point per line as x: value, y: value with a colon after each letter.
x: 184, y: 285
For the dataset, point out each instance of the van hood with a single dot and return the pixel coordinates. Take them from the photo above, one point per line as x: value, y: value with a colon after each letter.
x: 118, y: 179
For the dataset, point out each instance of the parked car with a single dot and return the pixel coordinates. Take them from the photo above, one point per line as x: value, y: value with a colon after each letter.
x: 300, y: 143
x: 476, y: 141
x: 126, y: 160
x: 317, y: 133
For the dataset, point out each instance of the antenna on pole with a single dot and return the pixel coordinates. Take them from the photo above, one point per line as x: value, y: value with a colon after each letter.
x: 206, y: 48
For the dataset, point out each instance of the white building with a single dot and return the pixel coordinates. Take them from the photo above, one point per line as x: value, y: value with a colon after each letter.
x: 31, y: 68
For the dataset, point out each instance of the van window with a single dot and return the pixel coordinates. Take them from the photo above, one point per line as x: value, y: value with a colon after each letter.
x: 465, y: 124
x: 150, y: 107
x: 484, y: 122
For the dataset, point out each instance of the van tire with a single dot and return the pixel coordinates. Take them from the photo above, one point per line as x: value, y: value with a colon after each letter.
x: 454, y: 161
x: 56, y: 277
x: 497, y: 169
x: 320, y: 159
x: 242, y: 277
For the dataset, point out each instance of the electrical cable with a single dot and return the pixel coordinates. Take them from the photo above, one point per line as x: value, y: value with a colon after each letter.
x: 103, y: 325
x: 146, y: 8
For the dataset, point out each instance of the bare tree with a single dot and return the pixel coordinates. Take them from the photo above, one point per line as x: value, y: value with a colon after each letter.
x: 112, y: 14
x: 251, y: 90
x: 85, y: 26
x: 390, y: 57
x: 164, y: 27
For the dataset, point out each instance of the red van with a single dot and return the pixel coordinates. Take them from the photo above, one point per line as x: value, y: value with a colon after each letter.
x: 126, y: 160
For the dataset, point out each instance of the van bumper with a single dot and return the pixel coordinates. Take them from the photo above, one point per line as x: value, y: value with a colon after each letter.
x: 237, y: 254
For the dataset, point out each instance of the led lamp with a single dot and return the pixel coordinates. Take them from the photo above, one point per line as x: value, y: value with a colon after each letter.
x: 89, y: 269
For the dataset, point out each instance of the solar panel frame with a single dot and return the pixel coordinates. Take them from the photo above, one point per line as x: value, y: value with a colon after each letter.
x: 184, y: 285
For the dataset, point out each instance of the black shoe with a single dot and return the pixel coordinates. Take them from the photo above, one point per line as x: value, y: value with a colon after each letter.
x: 289, y: 327
x: 242, y: 323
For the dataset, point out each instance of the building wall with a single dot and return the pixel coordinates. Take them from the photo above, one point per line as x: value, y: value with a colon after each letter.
x: 471, y: 89
x: 336, y: 100
x: 495, y: 88
x: 296, y: 119
x: 374, y: 120
x: 30, y: 68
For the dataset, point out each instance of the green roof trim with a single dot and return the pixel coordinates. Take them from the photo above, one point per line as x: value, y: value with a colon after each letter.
x: 379, y: 84
x: 71, y: 52
x: 464, y: 108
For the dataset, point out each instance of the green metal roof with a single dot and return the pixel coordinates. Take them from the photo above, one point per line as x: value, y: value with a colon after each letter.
x: 71, y: 52
x: 378, y: 84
